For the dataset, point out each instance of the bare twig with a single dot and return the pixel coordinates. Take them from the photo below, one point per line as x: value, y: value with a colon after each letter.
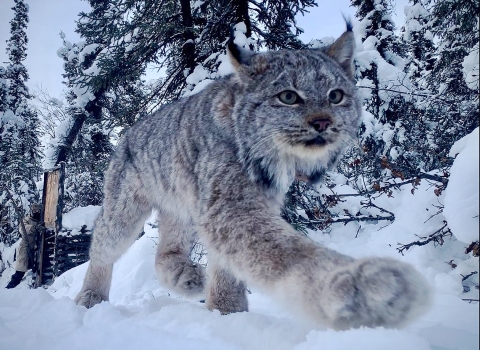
x: 469, y: 275
x: 471, y: 300
x: 437, y: 237
x: 436, y: 178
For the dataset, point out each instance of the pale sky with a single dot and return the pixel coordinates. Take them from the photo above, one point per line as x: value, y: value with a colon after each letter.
x: 49, y: 17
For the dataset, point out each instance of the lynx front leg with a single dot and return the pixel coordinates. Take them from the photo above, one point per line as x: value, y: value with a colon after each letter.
x: 175, y: 269
x: 96, y: 285
x: 225, y: 292
x: 251, y: 240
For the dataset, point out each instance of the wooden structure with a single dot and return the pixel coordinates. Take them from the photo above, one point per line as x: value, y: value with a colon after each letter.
x: 57, y: 249
x: 71, y: 249
x: 52, y: 204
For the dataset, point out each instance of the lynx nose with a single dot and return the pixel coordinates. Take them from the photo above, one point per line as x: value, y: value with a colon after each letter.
x: 320, y: 124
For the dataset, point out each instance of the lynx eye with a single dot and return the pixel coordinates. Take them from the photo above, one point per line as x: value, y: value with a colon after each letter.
x: 335, y: 96
x: 289, y: 97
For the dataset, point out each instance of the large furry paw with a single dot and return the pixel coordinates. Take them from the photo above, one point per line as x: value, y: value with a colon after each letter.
x: 375, y: 292
x: 180, y: 274
x: 88, y: 298
x: 226, y: 293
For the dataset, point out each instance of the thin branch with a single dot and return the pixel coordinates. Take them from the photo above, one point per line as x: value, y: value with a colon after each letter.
x: 403, y: 92
x: 436, y: 178
x: 468, y: 276
x: 436, y: 237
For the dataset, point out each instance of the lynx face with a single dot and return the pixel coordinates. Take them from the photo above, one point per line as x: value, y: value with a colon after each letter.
x: 298, y: 112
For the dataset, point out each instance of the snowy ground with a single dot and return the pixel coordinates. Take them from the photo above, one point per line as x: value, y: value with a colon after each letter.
x: 141, y: 315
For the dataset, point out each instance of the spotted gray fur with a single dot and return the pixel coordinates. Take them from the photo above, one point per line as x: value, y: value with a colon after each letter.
x: 218, y: 163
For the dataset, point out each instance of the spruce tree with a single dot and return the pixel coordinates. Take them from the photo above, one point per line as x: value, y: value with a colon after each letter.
x: 415, y: 150
x: 417, y: 35
x: 19, y: 144
x: 379, y: 73
x: 455, y: 108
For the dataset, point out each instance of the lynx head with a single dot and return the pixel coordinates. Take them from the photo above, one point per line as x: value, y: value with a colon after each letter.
x: 294, y: 111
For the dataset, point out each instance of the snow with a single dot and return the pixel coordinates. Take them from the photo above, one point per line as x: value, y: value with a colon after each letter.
x: 51, y: 143
x: 11, y: 119
x: 412, y: 13
x: 143, y: 315
x: 471, y: 68
x: 462, y: 193
x: 225, y: 66
x: 83, y: 95
x: 87, y: 50
x: 323, y: 42
x: 198, y: 74
x: 239, y: 34
x: 77, y: 217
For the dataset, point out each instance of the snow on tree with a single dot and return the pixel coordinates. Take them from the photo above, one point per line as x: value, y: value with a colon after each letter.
x: 456, y: 106
x: 3, y: 89
x: 380, y: 76
x: 418, y: 39
x: 19, y: 144
x: 255, y: 25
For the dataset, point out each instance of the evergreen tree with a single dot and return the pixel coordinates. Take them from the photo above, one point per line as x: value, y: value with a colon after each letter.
x: 455, y: 108
x: 415, y: 153
x: 3, y: 90
x: 418, y: 41
x: 379, y: 71
x: 19, y: 144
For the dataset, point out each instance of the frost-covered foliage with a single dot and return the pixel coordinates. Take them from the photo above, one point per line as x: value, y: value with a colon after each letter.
x: 456, y: 103
x: 19, y: 144
x: 416, y: 88
x: 379, y: 72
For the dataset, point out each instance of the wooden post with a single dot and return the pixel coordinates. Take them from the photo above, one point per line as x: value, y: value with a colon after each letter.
x: 52, y: 204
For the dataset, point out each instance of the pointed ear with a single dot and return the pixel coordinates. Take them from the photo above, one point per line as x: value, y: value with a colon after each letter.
x: 246, y: 63
x: 343, y: 50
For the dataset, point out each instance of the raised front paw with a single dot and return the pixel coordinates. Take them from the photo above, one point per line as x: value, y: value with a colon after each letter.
x: 88, y: 298
x: 375, y: 292
x: 180, y: 274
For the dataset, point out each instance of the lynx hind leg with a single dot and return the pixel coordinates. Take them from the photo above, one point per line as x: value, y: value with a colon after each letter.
x: 375, y: 292
x: 125, y: 209
x: 225, y: 292
x: 175, y: 269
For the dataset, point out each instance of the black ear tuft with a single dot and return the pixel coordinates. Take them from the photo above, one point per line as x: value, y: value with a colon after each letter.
x: 343, y: 50
x: 348, y: 23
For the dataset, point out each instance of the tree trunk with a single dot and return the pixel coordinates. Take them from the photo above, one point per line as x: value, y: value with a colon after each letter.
x: 243, y: 16
x: 92, y: 109
x: 188, y: 48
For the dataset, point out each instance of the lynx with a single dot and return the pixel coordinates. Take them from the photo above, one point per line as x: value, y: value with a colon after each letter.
x: 218, y: 164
